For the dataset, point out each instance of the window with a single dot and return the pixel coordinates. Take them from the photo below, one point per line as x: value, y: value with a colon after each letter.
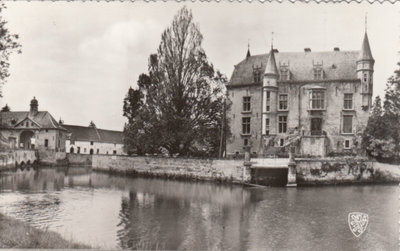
x: 46, y: 143
x: 78, y: 150
x: 365, y: 77
x: 98, y: 151
x: 27, y: 124
x: 114, y: 152
x: 316, y: 126
x: 282, y: 124
x: 91, y: 143
x: 281, y: 142
x: 267, y: 126
x: 246, y: 125
x: 347, y: 124
x: 348, y: 101
x: 268, y: 99
x: 347, y: 144
x: 246, y: 104
x: 317, y: 99
x: 257, y: 76
x: 283, y: 102
x: 32, y: 124
x: 47, y: 130
x: 318, y: 73
x: 246, y: 142
x: 285, y: 74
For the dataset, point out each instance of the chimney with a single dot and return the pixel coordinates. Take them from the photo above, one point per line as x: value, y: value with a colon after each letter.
x: 307, y: 50
x: 336, y: 49
x: 34, y: 107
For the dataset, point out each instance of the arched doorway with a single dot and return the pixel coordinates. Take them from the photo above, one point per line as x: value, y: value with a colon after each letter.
x: 25, y: 140
x: 71, y: 150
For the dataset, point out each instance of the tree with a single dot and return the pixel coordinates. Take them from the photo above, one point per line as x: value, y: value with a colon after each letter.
x: 178, y: 105
x: 381, y: 138
x: 6, y: 108
x: 8, y: 44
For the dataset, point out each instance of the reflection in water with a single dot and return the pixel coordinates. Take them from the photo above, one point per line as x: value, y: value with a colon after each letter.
x: 114, y: 212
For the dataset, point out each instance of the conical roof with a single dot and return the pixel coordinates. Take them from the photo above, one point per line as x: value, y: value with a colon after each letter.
x: 271, y: 64
x: 365, y: 53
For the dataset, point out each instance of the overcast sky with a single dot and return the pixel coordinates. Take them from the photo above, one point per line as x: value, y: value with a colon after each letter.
x: 79, y: 59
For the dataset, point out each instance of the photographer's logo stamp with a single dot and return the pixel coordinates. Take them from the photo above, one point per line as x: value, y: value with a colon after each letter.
x: 358, y: 223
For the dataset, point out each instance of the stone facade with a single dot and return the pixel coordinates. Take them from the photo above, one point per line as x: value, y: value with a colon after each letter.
x: 31, y: 129
x: 318, y: 101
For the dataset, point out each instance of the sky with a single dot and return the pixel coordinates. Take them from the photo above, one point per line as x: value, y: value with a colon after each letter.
x: 80, y: 58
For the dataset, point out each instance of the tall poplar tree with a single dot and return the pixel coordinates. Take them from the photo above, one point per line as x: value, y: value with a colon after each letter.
x: 179, y: 103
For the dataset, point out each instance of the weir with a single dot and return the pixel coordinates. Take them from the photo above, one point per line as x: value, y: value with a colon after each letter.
x: 273, y: 171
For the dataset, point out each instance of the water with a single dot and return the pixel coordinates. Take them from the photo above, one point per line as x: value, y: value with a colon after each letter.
x: 114, y: 212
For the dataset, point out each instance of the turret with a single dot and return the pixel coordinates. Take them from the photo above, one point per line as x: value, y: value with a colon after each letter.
x: 271, y: 71
x: 365, y: 70
x: 34, y: 107
x: 270, y: 89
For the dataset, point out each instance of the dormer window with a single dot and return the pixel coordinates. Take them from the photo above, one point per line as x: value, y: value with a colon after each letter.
x: 257, y: 76
x: 284, y: 73
x: 318, y: 73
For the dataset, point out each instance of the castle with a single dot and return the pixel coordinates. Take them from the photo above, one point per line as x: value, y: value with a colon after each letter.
x: 316, y: 101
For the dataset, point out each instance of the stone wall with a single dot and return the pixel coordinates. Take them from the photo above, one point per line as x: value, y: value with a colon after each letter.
x: 178, y: 168
x: 344, y: 171
x: 79, y: 159
x: 312, y: 146
x: 49, y: 157
x: 10, y: 159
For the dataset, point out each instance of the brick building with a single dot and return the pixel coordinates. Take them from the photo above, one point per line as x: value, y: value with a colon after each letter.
x: 319, y: 101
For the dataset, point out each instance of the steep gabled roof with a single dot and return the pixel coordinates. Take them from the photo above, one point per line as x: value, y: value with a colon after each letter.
x: 83, y: 133
x: 335, y: 64
x: 42, y: 118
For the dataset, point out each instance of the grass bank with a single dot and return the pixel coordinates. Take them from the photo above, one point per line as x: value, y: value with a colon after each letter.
x: 17, y: 234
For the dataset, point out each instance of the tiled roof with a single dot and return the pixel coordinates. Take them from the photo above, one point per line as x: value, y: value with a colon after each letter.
x: 83, y: 133
x: 42, y: 118
x: 335, y: 64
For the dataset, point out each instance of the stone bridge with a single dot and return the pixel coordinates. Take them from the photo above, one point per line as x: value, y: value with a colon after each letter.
x: 17, y: 158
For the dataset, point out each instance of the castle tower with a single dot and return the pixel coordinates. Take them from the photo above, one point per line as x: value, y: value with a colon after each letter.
x: 270, y: 92
x: 365, y: 70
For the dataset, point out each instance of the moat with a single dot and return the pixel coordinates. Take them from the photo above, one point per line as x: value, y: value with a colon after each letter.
x: 115, y: 212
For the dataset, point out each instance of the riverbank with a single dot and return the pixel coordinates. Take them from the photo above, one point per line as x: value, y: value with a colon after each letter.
x: 17, y: 234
